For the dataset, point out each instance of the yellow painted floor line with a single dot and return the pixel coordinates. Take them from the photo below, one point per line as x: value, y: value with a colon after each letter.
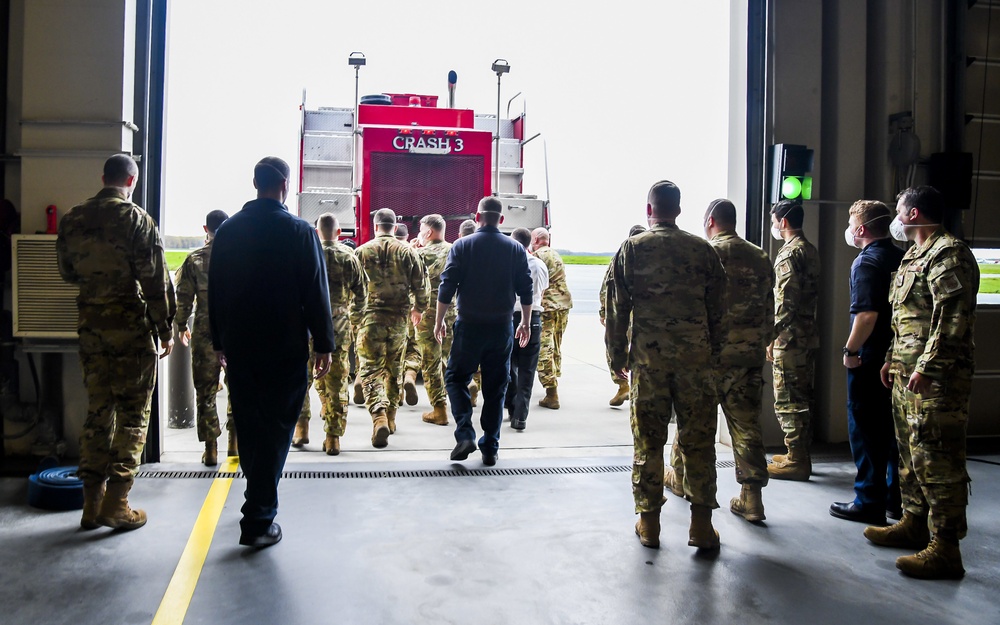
x: 174, y: 606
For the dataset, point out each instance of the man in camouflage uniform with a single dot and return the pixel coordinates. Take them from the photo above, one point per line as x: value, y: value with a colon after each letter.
x: 669, y: 287
x: 394, y: 273
x: 750, y: 317
x: 622, y: 394
x: 434, y: 254
x: 192, y: 295
x: 348, y: 288
x: 557, y: 302
x: 111, y: 249
x: 929, y: 367
x: 411, y: 354
x: 796, y: 339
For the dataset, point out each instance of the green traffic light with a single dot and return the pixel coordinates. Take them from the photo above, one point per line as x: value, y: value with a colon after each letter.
x: 791, y: 187
x: 807, y: 188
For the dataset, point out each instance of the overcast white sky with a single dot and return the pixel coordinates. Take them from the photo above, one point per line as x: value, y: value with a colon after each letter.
x: 624, y: 94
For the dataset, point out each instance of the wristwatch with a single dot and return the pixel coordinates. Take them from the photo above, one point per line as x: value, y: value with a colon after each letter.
x: 848, y: 352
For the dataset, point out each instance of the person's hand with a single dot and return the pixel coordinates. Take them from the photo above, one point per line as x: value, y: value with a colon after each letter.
x: 440, y: 329
x: 919, y: 384
x: 221, y: 356
x: 602, y: 321
x: 852, y: 362
x: 522, y: 334
x: 166, y: 347
x: 886, y: 376
x: 184, y: 337
x: 770, y: 352
x: 322, y: 366
x: 415, y: 317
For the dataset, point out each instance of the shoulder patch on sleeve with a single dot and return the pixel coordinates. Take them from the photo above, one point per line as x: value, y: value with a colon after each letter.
x: 948, y: 283
x: 785, y: 268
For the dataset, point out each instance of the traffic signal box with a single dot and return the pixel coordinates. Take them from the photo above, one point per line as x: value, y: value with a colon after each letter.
x: 789, y: 165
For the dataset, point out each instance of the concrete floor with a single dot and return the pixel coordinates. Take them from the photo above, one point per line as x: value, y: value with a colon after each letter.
x: 401, y: 535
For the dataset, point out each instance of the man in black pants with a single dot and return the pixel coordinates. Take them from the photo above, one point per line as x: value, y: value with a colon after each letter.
x: 486, y: 269
x: 524, y: 360
x: 869, y: 403
x: 267, y: 294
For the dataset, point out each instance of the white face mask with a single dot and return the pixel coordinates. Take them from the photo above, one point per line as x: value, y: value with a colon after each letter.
x: 776, y: 232
x: 849, y: 237
x: 897, y: 229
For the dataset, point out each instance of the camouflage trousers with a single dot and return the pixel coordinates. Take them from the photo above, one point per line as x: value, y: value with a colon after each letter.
x: 740, y: 390
x: 434, y: 355
x: 306, y: 413
x: 333, y: 390
x: 205, y: 370
x: 411, y: 355
x: 931, y: 431
x: 119, y: 371
x: 550, y: 351
x: 381, y: 344
x: 793, y: 371
x: 654, y: 395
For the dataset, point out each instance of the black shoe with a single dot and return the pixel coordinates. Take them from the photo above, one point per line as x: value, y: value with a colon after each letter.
x: 489, y: 459
x: 270, y: 537
x: 462, y: 450
x: 517, y: 424
x: 853, y: 512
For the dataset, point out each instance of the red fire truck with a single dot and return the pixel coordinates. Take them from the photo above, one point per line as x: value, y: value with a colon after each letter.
x: 407, y: 154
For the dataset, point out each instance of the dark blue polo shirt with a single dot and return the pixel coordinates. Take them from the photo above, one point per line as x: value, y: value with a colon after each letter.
x: 487, y: 269
x: 871, y: 276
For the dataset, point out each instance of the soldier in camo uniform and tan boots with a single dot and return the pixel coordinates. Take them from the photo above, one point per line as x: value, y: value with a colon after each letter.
x: 111, y: 249
x: 669, y: 288
x: 557, y: 302
x: 929, y: 367
x: 433, y: 355
x: 192, y: 295
x: 622, y: 394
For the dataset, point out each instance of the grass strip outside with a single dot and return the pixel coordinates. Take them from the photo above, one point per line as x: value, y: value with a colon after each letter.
x: 586, y: 259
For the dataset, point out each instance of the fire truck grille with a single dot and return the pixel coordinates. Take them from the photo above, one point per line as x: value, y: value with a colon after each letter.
x: 414, y: 185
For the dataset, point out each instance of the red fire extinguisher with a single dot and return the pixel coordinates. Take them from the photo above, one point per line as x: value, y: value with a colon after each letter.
x: 51, y: 225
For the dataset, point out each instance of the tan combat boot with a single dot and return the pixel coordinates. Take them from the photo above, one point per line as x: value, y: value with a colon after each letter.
x: 776, y: 458
x: 359, y: 392
x: 437, y: 416
x: 474, y: 393
x: 301, y: 436
x: 93, y: 495
x: 390, y: 417
x: 115, y: 512
x: 701, y: 534
x: 211, y: 456
x: 621, y: 395
x: 910, y: 532
x: 380, y: 429
x: 551, y: 399
x: 796, y: 466
x: 749, y: 504
x: 332, y: 445
x: 942, y: 559
x: 410, y: 388
x: 647, y: 528
x: 673, y: 482
x: 233, y: 449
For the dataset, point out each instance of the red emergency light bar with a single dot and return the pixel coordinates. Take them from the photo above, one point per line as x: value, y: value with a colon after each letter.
x: 382, y: 115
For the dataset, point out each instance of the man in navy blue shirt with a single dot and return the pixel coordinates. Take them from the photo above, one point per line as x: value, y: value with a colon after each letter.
x: 869, y: 403
x: 267, y: 293
x: 487, y: 270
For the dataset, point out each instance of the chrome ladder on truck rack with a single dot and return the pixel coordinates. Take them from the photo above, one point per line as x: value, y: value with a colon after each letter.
x: 327, y: 163
x: 520, y: 210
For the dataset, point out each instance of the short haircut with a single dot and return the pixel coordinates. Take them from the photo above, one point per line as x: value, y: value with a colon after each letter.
x: 541, y: 233
x: 723, y: 212
x: 118, y: 169
x: 401, y: 231
x: 385, y: 219
x: 490, y: 210
x: 874, y: 216
x: 792, y: 211
x: 466, y: 228
x: 928, y: 199
x: 269, y: 173
x: 665, y: 198
x: 433, y: 221
x: 214, y: 219
x: 636, y: 229
x: 522, y: 236
x: 328, y: 226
